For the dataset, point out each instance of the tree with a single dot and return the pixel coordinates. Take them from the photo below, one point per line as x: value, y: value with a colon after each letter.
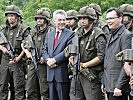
x: 29, y: 7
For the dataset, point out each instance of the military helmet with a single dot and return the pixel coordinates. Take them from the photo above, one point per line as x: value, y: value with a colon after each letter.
x: 127, y: 9
x: 87, y: 12
x: 96, y: 7
x: 72, y: 14
x: 12, y: 9
x: 43, y: 13
x: 47, y: 9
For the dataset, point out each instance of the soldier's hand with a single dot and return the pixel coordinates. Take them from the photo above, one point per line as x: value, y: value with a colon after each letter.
x: 71, y: 60
x: 117, y: 92
x: 41, y: 60
x: 131, y: 81
x: 83, y: 65
x: 17, y: 59
x: 12, y: 62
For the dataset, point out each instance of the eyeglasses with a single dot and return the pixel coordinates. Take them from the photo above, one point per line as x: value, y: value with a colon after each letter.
x: 111, y: 18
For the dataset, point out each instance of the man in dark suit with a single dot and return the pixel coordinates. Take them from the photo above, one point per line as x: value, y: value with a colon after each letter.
x: 53, y: 53
x: 115, y: 79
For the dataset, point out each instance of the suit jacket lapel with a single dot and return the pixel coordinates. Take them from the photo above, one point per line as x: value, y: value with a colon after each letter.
x: 116, y: 36
x: 52, y: 40
x: 112, y: 39
x: 108, y: 41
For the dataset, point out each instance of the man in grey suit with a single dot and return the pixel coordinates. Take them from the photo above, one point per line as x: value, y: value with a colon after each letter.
x: 53, y: 53
x: 115, y: 79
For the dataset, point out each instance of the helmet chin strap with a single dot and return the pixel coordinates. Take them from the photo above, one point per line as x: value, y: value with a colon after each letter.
x: 40, y: 24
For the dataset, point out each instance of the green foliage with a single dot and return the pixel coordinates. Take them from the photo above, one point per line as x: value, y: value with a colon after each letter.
x: 3, y: 4
x: 29, y: 7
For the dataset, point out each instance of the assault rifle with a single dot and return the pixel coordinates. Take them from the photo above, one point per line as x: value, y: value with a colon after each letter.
x: 35, y: 55
x: 73, y: 50
x: 8, y: 45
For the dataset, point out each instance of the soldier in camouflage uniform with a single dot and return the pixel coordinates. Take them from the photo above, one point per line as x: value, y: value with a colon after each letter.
x: 34, y: 81
x: 92, y: 42
x: 99, y: 23
x: 72, y: 24
x: 11, y: 84
x: 127, y: 16
x: 14, y: 31
x: 72, y: 20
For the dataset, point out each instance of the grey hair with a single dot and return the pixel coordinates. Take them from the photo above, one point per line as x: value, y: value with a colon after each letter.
x: 62, y: 12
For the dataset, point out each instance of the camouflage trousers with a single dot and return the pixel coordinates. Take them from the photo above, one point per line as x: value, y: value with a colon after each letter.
x: 85, y: 89
x: 36, y: 84
x: 8, y: 72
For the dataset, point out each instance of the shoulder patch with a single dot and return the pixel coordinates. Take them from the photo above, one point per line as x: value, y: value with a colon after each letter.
x: 98, y: 31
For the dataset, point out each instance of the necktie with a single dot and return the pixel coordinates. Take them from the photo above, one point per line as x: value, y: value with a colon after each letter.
x: 56, y: 39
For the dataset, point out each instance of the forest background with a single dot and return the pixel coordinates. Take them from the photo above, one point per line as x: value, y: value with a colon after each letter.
x: 29, y: 7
